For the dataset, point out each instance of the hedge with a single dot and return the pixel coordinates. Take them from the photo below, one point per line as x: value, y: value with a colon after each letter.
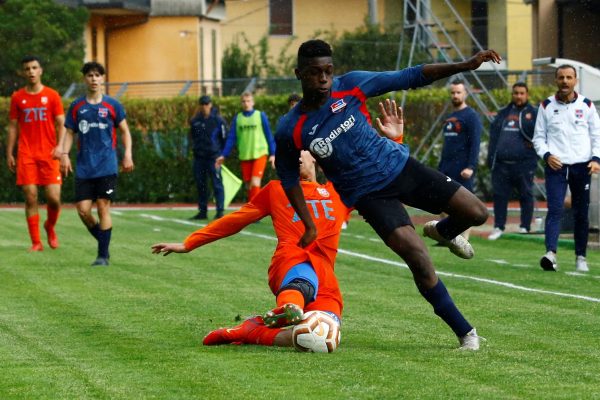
x: 162, y: 153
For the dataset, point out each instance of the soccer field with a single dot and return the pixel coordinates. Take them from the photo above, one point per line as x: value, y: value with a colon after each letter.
x: 133, y: 330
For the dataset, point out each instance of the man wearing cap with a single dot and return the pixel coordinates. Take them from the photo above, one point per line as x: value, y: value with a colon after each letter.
x: 207, y: 134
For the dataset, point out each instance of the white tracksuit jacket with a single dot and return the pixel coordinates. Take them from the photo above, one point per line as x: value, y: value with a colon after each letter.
x: 570, y: 131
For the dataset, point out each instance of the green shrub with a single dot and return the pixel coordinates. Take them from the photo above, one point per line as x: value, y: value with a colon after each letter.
x: 162, y: 155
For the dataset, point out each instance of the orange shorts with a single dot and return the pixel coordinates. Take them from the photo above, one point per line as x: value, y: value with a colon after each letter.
x: 32, y: 171
x: 252, y: 168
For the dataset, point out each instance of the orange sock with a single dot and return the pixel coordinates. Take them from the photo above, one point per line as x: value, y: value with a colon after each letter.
x: 33, y: 224
x: 53, y: 214
x: 290, y: 296
x: 262, y: 335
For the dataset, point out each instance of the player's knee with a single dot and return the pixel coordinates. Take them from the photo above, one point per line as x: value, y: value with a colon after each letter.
x: 303, y: 286
x: 480, y: 214
x: 31, y: 199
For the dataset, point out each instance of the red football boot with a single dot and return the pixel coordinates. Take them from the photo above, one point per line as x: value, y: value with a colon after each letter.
x: 237, y: 334
x: 36, y: 247
x: 52, y: 238
x: 251, y: 331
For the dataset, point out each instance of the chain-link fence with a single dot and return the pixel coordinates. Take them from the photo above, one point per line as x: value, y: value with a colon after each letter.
x: 234, y: 87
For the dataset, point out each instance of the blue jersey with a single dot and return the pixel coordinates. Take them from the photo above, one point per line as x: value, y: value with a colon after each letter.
x: 462, y: 136
x: 95, y: 125
x: 341, y: 138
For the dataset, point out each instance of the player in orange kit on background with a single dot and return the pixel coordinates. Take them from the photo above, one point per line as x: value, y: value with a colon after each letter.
x: 302, y: 279
x: 36, y: 116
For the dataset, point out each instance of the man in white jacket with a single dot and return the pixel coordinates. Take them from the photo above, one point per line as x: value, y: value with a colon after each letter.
x: 567, y: 137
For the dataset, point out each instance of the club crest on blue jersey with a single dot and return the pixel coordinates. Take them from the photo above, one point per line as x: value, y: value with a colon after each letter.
x: 103, y: 112
x: 338, y: 106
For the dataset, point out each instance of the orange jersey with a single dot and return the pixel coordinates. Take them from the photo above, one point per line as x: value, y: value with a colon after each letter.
x: 327, y: 211
x: 35, y: 115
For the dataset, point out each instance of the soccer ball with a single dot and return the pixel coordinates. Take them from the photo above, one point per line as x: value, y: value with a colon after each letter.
x: 318, y: 332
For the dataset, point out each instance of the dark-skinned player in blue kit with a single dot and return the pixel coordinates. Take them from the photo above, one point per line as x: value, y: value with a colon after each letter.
x: 376, y: 175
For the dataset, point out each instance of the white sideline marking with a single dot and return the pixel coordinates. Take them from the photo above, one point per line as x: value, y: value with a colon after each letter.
x: 184, y: 222
x: 504, y: 262
x: 402, y: 265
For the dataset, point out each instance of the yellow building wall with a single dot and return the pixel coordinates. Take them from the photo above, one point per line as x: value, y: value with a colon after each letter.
x: 251, y: 18
x: 519, y: 43
x: 96, y: 22
x: 452, y: 26
x: 497, y: 26
x: 163, y: 48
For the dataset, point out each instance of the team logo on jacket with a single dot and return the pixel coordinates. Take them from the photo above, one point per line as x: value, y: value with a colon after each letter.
x: 578, y: 113
x: 338, y: 106
x: 103, y: 112
x: 528, y: 116
x: 323, y: 192
x: 44, y: 100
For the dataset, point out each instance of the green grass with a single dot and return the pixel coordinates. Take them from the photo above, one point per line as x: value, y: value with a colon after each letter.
x: 134, y: 329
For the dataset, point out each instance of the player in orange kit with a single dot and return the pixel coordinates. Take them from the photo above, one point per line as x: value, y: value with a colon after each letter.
x: 302, y: 279
x: 36, y: 116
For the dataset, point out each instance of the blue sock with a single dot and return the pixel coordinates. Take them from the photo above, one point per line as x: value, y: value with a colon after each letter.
x: 104, y: 242
x: 94, y: 230
x: 449, y: 228
x: 444, y: 307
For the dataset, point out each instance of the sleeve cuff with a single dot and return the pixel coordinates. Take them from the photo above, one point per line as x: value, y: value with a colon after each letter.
x: 546, y: 156
x: 597, y: 159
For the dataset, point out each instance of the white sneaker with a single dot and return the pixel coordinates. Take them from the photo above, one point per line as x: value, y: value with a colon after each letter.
x: 581, y: 264
x: 459, y: 245
x: 548, y: 262
x: 471, y: 341
x: 523, y: 231
x: 496, y: 233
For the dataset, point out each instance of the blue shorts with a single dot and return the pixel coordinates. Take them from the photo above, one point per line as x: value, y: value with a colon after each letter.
x: 303, y: 271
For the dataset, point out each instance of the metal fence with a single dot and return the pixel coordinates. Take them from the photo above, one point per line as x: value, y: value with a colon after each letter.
x: 234, y: 87
x: 162, y: 89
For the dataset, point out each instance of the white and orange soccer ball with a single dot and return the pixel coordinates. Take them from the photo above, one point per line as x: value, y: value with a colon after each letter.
x: 318, y: 332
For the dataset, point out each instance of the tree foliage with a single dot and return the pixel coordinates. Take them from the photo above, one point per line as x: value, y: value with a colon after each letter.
x: 48, y: 30
x: 371, y: 47
x: 235, y: 62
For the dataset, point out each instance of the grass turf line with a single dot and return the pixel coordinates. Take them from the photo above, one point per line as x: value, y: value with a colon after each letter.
x: 133, y: 330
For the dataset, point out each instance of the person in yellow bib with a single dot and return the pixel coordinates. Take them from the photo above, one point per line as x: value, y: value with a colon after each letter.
x: 251, y: 133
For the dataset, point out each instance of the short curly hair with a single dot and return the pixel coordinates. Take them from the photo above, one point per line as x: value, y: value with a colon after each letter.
x: 311, y: 49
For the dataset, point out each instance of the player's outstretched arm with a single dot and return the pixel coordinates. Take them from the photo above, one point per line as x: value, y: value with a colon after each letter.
x: 391, y: 120
x: 439, y: 71
x: 168, y: 248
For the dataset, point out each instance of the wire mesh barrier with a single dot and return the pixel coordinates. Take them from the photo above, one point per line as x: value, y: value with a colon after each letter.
x: 161, y: 89
x: 274, y: 86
